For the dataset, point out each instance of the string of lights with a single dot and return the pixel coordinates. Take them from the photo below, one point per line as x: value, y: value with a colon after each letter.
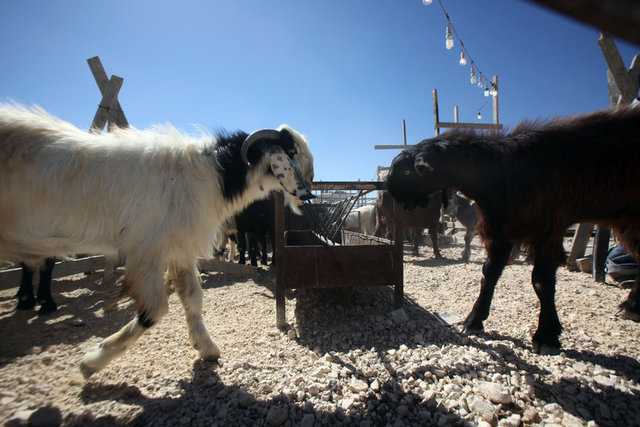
x: 476, y: 76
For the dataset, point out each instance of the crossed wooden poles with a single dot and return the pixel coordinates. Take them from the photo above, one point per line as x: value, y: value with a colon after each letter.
x: 109, y: 109
x: 109, y: 112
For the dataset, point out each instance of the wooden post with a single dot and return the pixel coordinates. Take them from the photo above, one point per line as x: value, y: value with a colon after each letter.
x: 404, y: 133
x: 496, y: 116
x: 436, y: 116
x: 456, y: 116
x: 437, y: 124
x: 627, y: 88
x: 580, y: 239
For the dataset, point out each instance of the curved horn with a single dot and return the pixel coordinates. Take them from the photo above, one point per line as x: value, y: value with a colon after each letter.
x: 255, y: 136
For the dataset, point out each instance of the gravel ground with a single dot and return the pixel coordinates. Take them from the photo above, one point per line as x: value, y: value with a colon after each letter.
x: 349, y: 357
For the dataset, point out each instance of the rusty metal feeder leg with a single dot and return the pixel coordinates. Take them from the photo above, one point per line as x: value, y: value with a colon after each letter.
x: 398, y: 266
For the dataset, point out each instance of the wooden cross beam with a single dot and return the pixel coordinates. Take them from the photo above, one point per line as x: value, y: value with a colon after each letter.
x: 626, y: 82
x: 109, y: 110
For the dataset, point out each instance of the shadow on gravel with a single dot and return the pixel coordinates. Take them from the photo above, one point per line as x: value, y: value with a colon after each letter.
x: 262, y: 277
x: 206, y: 400
x: 76, y: 319
x: 342, y: 320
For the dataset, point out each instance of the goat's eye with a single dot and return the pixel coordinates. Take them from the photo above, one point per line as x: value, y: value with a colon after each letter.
x: 407, y: 172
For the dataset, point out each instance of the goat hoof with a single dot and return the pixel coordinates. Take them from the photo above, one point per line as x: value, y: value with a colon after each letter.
x: 47, y: 308
x: 26, y: 304
x: 472, y: 330
x: 626, y: 314
x: 546, y: 349
x: 209, y: 351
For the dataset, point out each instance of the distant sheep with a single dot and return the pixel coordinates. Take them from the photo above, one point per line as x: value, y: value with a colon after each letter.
x: 156, y: 196
x: 529, y: 186
x: 361, y: 220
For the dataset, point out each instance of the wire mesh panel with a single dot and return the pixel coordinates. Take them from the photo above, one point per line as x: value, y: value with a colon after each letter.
x: 326, y: 219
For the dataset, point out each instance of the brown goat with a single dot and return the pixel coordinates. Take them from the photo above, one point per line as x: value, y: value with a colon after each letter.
x: 529, y: 186
x: 414, y: 220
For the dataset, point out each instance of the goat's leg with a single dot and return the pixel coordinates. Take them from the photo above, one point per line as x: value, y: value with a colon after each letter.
x: 47, y: 304
x: 468, y: 237
x: 543, y: 278
x: 146, y: 287
x: 253, y: 249
x: 186, y: 282
x: 26, y: 301
x: 491, y: 272
x: 264, y: 249
x: 433, y: 233
x: 242, y: 247
x: 232, y: 250
x: 417, y: 233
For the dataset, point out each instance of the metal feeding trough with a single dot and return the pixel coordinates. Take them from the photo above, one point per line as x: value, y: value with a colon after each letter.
x: 313, y: 258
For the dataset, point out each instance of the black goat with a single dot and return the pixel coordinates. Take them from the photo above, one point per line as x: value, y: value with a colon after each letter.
x: 254, y: 226
x: 530, y: 185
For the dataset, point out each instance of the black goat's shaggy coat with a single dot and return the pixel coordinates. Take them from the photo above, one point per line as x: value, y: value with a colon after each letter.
x: 529, y: 186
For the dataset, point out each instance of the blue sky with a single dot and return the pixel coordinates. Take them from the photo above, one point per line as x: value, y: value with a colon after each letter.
x: 343, y: 72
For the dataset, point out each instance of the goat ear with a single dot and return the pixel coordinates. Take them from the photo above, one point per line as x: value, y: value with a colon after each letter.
x: 287, y: 173
x: 421, y: 166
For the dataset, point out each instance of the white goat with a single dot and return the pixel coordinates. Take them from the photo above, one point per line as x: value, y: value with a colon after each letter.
x: 156, y: 196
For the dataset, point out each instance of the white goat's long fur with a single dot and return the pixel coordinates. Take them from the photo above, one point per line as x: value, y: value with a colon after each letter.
x: 152, y: 195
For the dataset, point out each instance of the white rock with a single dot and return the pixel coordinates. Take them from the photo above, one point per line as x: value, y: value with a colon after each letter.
x: 483, y: 408
x: 512, y: 421
x: 495, y: 392
x: 346, y: 403
x: 553, y: 409
x: 358, y: 386
x: 569, y: 420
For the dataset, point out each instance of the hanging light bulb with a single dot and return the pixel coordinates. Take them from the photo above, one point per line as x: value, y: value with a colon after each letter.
x: 474, y: 80
x: 449, y: 38
x: 479, y: 115
x: 426, y: 2
x: 486, y: 90
x: 480, y: 81
x: 494, y: 90
x: 463, y: 59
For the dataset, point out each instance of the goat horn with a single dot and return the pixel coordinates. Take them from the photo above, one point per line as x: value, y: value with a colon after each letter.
x: 255, y: 136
